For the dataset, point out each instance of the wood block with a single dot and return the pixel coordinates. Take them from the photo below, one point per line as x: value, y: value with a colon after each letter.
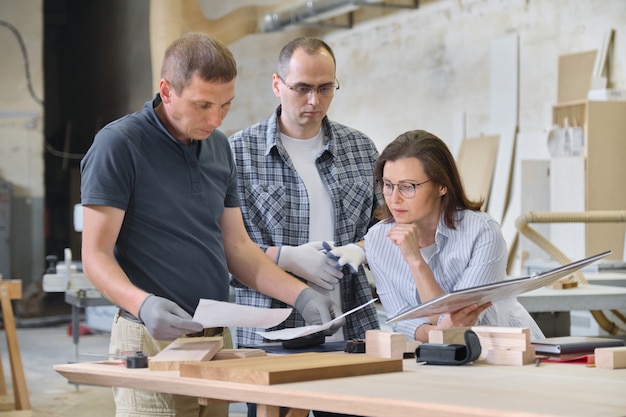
x: 503, y: 338
x: 296, y: 367
x: 448, y: 336
x: 185, y: 349
x: 238, y: 354
x: 610, y: 357
x: 13, y: 288
x: 508, y: 357
x: 384, y: 344
x: 410, y: 346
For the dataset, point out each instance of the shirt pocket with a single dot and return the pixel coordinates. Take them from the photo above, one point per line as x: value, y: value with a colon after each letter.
x: 266, y: 205
x: 357, y: 201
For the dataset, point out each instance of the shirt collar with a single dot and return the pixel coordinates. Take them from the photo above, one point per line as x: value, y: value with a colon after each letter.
x: 272, y: 136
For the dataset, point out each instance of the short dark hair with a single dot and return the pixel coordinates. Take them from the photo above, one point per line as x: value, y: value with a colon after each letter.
x: 310, y: 45
x: 439, y: 166
x: 201, y: 54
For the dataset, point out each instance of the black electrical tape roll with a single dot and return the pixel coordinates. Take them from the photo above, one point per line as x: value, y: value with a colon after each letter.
x: 138, y: 360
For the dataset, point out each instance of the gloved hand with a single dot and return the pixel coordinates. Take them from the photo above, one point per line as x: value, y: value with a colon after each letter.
x: 317, y: 309
x: 350, y: 254
x: 165, y: 320
x: 308, y: 262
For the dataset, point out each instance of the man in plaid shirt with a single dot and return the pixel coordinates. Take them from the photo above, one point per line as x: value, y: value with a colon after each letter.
x: 302, y: 180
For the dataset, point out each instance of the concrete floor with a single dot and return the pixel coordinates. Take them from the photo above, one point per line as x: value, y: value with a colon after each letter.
x: 50, y: 394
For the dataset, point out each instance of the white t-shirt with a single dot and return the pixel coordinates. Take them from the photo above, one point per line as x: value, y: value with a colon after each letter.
x: 303, y: 153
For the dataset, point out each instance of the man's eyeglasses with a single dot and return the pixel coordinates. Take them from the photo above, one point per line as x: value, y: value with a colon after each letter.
x: 406, y: 189
x: 304, y: 90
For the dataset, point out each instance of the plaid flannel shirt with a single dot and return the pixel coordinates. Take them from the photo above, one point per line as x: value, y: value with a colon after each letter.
x: 275, y: 209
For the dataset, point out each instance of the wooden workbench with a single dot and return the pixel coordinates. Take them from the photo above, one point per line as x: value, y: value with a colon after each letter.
x: 471, y: 390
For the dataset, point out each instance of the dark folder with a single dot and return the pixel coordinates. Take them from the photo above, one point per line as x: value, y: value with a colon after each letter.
x: 573, y: 344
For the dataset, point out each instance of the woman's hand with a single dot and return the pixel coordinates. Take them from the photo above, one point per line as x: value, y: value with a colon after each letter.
x: 406, y: 237
x: 465, y: 317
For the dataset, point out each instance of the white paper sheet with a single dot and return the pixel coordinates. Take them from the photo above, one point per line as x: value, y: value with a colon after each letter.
x: 288, y: 334
x: 212, y: 313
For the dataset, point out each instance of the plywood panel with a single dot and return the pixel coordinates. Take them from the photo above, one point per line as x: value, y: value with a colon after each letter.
x: 606, y: 173
x: 575, y: 72
x: 476, y: 163
x: 291, y: 368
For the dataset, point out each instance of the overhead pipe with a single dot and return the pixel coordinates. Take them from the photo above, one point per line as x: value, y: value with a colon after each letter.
x: 315, y: 10
x: 596, y: 216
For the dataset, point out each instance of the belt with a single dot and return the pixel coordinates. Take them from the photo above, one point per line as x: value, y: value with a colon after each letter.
x: 207, y: 332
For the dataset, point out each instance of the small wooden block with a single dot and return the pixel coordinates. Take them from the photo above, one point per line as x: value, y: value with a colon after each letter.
x: 448, y: 336
x: 508, y: 357
x: 385, y: 344
x: 185, y: 349
x: 503, y: 338
x: 610, y: 357
x: 410, y: 346
x: 13, y: 288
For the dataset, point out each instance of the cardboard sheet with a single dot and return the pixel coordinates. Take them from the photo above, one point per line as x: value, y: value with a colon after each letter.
x: 492, y: 292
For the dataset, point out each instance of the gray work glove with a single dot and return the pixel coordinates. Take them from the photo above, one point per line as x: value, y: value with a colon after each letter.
x: 318, y: 309
x: 165, y: 320
x: 351, y: 254
x: 308, y: 261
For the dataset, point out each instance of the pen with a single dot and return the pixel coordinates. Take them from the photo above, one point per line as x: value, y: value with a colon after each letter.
x: 537, y: 361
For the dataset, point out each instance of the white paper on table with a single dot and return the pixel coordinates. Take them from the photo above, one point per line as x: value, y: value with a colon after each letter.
x: 212, y: 313
x: 288, y: 334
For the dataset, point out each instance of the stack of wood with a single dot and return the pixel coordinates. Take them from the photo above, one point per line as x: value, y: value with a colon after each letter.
x: 500, y: 345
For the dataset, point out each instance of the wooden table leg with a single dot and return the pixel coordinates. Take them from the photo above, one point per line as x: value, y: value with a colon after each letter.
x: 20, y: 391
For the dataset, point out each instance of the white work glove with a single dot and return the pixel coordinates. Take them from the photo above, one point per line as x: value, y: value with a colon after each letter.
x: 318, y: 309
x: 350, y: 254
x: 309, y: 262
x: 165, y: 320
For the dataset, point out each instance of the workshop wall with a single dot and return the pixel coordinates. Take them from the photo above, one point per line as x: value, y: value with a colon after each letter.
x: 21, y: 137
x: 425, y: 68
x: 429, y: 68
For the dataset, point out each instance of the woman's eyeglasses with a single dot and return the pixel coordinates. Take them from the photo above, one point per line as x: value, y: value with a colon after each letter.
x: 406, y: 189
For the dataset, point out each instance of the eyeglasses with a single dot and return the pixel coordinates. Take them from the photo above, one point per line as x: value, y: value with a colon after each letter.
x: 325, y: 90
x: 407, y: 189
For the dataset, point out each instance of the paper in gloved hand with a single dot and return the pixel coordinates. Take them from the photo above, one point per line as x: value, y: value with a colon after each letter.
x: 293, y: 333
x: 212, y: 313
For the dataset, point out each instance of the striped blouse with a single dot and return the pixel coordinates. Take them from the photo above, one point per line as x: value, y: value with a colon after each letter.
x: 473, y: 254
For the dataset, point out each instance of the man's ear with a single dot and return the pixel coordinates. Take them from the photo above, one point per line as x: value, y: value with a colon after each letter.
x: 275, y: 86
x: 165, y: 91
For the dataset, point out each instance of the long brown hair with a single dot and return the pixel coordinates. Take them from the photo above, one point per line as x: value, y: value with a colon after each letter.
x: 439, y: 166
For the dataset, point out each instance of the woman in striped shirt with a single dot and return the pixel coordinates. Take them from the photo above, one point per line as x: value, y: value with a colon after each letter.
x: 433, y: 240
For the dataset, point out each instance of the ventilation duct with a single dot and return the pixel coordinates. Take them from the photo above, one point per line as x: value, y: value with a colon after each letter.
x: 314, y: 11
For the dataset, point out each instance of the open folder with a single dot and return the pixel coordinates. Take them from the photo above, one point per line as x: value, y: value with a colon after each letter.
x: 457, y: 300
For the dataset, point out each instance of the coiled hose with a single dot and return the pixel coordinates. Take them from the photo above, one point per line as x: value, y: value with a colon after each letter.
x: 596, y: 216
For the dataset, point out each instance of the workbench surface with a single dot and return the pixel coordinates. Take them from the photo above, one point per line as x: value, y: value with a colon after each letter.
x: 551, y: 389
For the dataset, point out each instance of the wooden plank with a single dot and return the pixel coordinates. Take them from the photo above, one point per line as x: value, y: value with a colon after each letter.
x: 606, y: 149
x: 291, y: 368
x: 20, y: 390
x: 185, y: 349
x: 476, y: 162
